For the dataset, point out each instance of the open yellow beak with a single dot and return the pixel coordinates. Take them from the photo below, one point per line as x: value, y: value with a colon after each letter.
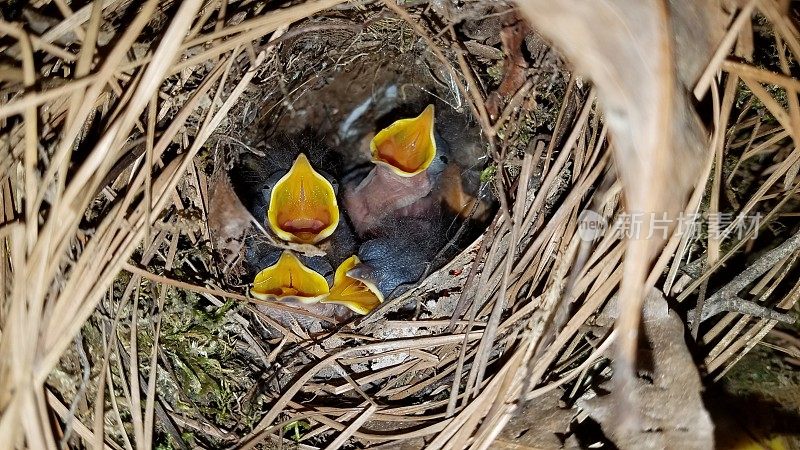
x: 289, y: 279
x: 355, y: 294
x: 302, y: 207
x: 407, y: 146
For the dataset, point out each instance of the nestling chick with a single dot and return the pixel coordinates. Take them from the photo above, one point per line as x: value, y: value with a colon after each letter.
x: 358, y: 294
x: 291, y: 281
x: 401, y: 256
x: 409, y: 158
x: 295, y: 196
x: 396, y: 208
x: 302, y: 205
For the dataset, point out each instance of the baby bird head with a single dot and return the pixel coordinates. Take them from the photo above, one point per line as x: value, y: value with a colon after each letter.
x: 407, y: 146
x: 289, y: 280
x: 360, y: 295
x: 302, y: 205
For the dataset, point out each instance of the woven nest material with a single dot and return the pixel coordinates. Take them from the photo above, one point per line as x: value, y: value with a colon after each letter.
x: 124, y: 314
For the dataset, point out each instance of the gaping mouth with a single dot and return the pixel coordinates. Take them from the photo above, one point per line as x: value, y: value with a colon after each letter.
x: 305, y: 227
x: 351, y: 292
x: 289, y: 279
x: 302, y: 205
x: 407, y: 145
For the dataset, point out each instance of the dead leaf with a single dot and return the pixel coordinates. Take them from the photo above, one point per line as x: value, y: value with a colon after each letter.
x: 512, y: 36
x: 228, y: 219
x: 628, y: 49
x: 535, y: 425
x: 672, y: 410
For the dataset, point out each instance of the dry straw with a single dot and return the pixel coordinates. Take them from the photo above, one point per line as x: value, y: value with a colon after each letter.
x: 107, y: 108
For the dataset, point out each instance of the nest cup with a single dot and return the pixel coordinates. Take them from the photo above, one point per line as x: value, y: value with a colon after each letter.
x: 337, y: 105
x: 333, y: 121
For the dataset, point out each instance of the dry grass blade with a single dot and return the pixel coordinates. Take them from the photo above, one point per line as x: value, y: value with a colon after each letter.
x: 47, y: 240
x: 743, y: 17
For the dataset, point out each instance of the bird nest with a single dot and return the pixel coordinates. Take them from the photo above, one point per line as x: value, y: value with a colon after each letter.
x: 126, y: 305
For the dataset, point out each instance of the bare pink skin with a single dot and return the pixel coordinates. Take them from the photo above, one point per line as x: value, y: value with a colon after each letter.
x: 384, y: 193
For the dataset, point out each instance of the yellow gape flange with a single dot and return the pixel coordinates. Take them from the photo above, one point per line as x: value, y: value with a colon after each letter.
x: 302, y: 206
x: 407, y: 146
x: 361, y: 297
x: 289, y: 280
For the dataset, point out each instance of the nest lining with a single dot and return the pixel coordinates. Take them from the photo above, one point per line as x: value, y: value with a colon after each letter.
x: 394, y: 375
x: 278, y: 105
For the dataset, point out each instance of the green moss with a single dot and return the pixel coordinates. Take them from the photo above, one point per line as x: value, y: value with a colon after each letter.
x: 745, y: 95
x: 764, y: 372
x: 164, y: 446
x: 488, y: 174
x: 295, y: 430
x: 495, y: 72
x: 196, y: 342
x: 201, y: 373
